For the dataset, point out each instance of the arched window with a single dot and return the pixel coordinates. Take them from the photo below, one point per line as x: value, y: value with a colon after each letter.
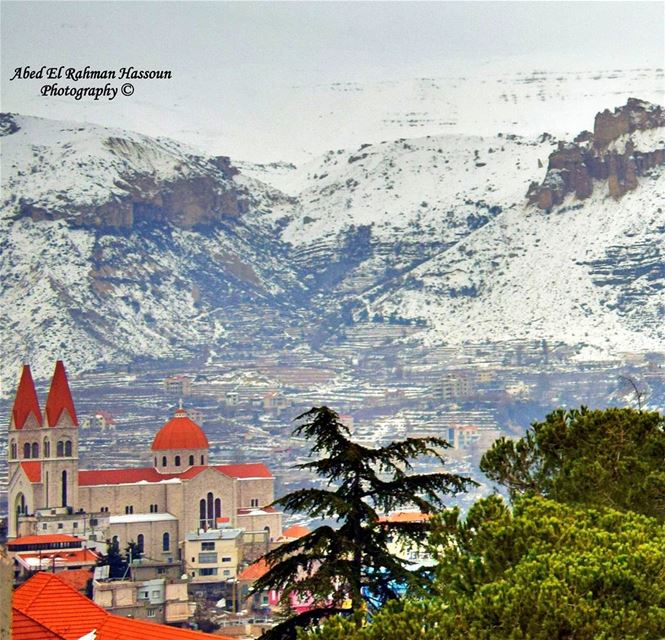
x: 202, y: 514
x: 68, y: 448
x: 14, y: 450
x: 155, y: 460
x: 26, y: 450
x: 191, y: 461
x: 210, y: 507
x: 47, y: 448
x: 177, y: 461
x: 163, y: 461
x: 166, y: 541
x: 140, y: 540
x: 218, y: 508
x: 60, y: 449
x: 202, y: 460
x: 64, y: 489
x: 35, y: 450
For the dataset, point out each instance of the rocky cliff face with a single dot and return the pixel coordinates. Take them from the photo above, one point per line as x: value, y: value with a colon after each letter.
x: 624, y: 145
x: 138, y: 179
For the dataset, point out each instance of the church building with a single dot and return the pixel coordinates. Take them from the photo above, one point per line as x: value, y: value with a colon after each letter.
x: 155, y: 506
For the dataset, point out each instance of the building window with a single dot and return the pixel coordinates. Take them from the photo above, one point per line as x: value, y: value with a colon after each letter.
x: 68, y: 448
x: 35, y: 450
x: 227, y: 572
x: 153, y: 508
x: 207, y: 546
x: 191, y: 461
x: 144, y: 594
x: 163, y: 461
x: 104, y: 509
x: 60, y: 449
x: 14, y: 450
x: 212, y: 571
x: 64, y: 489
x: 151, y: 613
x: 140, y: 541
x: 93, y: 522
x: 75, y: 525
x: 207, y: 558
x: 166, y: 541
x: 129, y: 509
x: 155, y: 460
x: 47, y: 448
x: 44, y: 527
x: 26, y: 450
x: 254, y: 502
x: 177, y: 461
x: 202, y: 460
x: 226, y: 558
x: 60, y: 525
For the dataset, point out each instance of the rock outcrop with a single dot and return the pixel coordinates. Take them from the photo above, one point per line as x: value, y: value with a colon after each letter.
x: 611, y: 154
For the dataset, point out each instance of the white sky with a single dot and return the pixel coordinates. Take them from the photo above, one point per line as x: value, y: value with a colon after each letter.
x: 235, y: 64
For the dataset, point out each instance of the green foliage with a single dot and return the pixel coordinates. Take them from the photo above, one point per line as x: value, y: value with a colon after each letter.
x: 116, y: 562
x: 332, y: 565
x: 612, y: 457
x: 546, y: 570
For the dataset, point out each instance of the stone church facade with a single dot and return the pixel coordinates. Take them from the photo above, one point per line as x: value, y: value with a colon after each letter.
x: 156, y: 506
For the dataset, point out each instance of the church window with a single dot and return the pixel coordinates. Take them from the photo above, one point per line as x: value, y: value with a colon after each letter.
x: 26, y: 450
x: 14, y: 450
x: 202, y: 460
x: 155, y: 460
x: 60, y: 449
x: 163, y: 461
x: 218, y: 508
x: 68, y: 448
x: 191, y: 461
x: 35, y: 450
x: 140, y: 541
x: 254, y: 502
x: 47, y: 448
x: 64, y: 489
x: 177, y: 461
x: 129, y: 509
x: 166, y: 541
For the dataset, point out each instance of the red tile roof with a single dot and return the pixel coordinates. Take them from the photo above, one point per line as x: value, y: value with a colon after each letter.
x: 33, y: 470
x: 26, y: 401
x: 254, y: 571
x: 46, y: 605
x: 406, y: 516
x: 296, y: 531
x: 60, y: 558
x: 181, y: 432
x: 150, y: 474
x: 76, y: 578
x: 257, y: 470
x: 45, y: 539
x: 59, y: 397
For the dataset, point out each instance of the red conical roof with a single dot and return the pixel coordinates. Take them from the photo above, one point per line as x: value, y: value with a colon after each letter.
x: 26, y: 401
x: 180, y: 432
x: 59, y: 397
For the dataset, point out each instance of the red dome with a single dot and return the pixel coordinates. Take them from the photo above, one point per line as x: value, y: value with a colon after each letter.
x: 180, y: 433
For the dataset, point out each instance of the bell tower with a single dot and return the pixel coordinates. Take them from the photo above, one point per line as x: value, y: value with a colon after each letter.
x: 60, y: 466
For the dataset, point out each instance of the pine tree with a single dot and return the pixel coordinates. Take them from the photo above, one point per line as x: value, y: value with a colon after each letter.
x: 352, y: 563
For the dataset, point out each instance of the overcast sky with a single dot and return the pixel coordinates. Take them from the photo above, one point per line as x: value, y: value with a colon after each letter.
x: 235, y: 55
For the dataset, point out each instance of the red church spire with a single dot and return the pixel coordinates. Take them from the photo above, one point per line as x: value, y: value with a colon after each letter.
x: 59, y: 397
x: 26, y: 401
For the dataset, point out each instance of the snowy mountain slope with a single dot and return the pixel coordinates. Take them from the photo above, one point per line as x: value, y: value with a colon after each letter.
x: 99, y: 265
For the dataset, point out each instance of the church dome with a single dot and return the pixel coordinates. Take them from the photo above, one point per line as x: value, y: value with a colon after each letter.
x: 180, y: 432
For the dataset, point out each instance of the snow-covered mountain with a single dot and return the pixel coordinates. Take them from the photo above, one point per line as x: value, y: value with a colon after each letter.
x: 116, y: 246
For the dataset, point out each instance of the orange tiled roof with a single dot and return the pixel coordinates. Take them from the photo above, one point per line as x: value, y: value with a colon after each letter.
x: 45, y: 608
x: 150, y: 474
x: 406, y: 516
x: 181, y: 432
x: 45, y: 539
x: 26, y: 401
x: 254, y: 571
x: 296, y: 531
x: 59, y: 397
x: 76, y: 578
x: 32, y: 469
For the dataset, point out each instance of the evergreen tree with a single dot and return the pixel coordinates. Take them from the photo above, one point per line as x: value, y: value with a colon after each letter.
x: 352, y: 563
x: 612, y: 457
